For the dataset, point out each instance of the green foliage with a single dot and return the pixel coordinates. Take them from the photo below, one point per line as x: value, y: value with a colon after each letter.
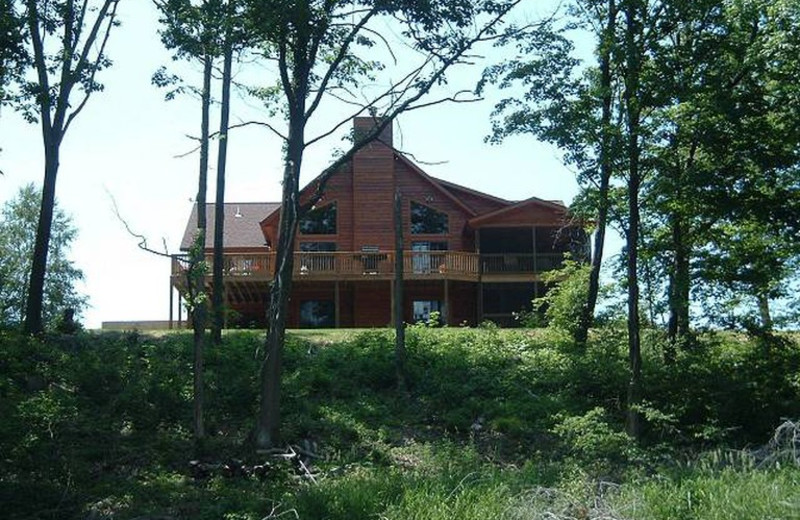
x: 12, y: 52
x: 497, y: 423
x: 193, y: 31
x: 76, y: 58
x: 591, y: 441
x: 561, y: 306
x: 17, y: 237
x: 729, y: 494
x: 718, y: 200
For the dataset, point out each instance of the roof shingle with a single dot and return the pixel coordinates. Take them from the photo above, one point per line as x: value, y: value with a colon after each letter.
x: 241, y: 224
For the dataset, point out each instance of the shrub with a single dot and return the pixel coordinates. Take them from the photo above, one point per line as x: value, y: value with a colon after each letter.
x: 562, y: 304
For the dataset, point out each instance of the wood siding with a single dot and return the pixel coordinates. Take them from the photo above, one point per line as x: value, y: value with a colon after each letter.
x: 363, y: 191
x: 372, y: 304
x: 415, y: 188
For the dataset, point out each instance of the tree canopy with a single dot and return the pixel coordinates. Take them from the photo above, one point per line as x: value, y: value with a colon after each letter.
x: 718, y: 135
x: 12, y: 51
x: 17, y: 238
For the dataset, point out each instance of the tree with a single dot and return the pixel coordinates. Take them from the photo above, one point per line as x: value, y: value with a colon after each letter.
x: 12, y: 51
x: 635, y: 12
x: 233, y: 38
x: 704, y: 135
x: 572, y: 106
x: 66, y: 40
x: 211, y: 30
x: 595, y: 116
x: 399, y: 325
x: 17, y: 239
x: 314, y: 45
x: 192, y: 32
x: 203, y: 33
x: 723, y: 155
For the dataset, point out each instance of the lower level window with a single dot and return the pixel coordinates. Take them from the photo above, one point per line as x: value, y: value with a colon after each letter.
x: 317, y: 314
x: 424, y: 308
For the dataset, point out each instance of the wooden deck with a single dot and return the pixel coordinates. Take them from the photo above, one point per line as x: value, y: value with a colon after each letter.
x: 355, y: 265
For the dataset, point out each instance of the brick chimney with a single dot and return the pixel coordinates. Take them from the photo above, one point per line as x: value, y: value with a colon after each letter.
x: 362, y: 125
x: 373, y: 188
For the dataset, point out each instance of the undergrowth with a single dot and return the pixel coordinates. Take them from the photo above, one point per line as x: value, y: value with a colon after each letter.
x: 495, y: 424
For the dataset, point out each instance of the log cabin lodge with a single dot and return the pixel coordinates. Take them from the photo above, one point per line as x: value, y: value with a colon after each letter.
x: 468, y: 256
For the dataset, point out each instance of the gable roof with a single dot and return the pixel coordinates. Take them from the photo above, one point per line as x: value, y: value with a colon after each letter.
x: 452, y: 186
x: 480, y: 202
x: 241, y: 224
x: 524, y: 212
x: 437, y: 184
x: 434, y: 182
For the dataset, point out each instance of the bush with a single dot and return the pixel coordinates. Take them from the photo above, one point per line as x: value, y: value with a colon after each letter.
x: 565, y: 299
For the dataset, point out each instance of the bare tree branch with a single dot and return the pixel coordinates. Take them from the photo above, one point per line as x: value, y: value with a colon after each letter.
x: 142, y: 239
x: 100, y: 54
x: 215, y: 135
x: 421, y: 90
x: 451, y: 99
x: 340, y: 56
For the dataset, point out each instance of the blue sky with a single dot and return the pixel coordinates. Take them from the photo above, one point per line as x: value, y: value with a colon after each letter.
x: 127, y: 141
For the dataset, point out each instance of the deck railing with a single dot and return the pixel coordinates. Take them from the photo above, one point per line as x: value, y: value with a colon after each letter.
x: 341, y: 264
x: 515, y: 263
x: 356, y: 264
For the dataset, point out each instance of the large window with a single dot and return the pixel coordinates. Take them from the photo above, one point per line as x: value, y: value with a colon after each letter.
x: 424, y: 308
x: 317, y: 262
x: 317, y: 247
x: 319, y: 221
x: 428, y: 257
x: 317, y: 314
x: 427, y: 221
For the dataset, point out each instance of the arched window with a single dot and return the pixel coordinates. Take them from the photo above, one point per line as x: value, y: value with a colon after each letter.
x: 427, y: 221
x: 319, y: 221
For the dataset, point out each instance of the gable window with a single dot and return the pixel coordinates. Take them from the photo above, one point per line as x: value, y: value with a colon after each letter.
x: 319, y: 221
x: 427, y: 221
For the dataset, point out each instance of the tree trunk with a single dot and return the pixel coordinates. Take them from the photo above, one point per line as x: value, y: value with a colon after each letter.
x: 399, y: 325
x: 606, y: 168
x: 52, y: 133
x: 200, y: 305
x: 678, y: 292
x: 764, y: 313
x: 268, y: 427
x: 54, y: 114
x: 35, y: 301
x: 633, y: 116
x: 218, y: 296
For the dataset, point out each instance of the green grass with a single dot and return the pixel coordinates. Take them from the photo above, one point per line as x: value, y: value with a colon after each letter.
x: 505, y: 424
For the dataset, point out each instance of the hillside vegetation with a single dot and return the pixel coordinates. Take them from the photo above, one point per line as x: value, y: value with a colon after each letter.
x: 495, y: 424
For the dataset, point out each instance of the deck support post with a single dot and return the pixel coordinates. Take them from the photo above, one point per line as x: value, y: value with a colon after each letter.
x: 227, y: 305
x: 392, y: 320
x: 171, y: 303
x: 336, y: 309
x: 446, y: 317
x: 480, y: 302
